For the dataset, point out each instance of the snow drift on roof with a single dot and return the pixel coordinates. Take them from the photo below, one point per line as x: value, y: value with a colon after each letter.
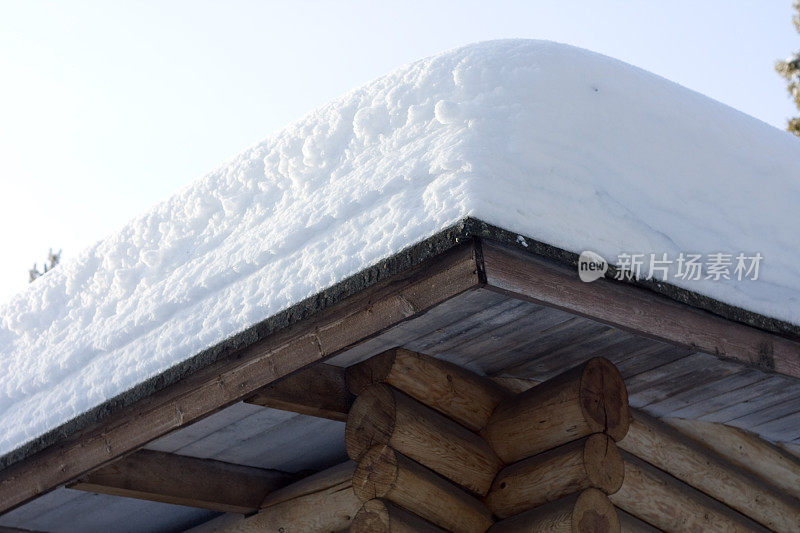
x: 553, y: 142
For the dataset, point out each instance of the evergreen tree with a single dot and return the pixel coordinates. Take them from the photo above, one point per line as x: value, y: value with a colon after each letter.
x: 53, y: 259
x: 790, y: 70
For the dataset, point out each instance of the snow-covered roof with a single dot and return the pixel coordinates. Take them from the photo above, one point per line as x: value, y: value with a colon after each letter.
x: 555, y: 143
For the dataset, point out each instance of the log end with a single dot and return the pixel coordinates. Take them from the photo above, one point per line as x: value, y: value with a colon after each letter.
x: 603, y: 462
x: 604, y: 398
x: 381, y: 516
x: 370, y: 421
x: 376, y: 473
x: 373, y: 517
x: 594, y: 513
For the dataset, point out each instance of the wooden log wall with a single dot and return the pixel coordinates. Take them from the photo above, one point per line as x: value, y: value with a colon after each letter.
x: 438, y: 444
x: 438, y: 448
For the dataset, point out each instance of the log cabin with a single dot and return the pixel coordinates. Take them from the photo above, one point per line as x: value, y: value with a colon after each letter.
x: 465, y: 381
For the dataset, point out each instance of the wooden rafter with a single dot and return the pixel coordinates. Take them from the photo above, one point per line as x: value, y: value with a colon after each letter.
x: 234, y: 378
x: 177, y: 479
x: 318, y: 390
x: 634, y: 309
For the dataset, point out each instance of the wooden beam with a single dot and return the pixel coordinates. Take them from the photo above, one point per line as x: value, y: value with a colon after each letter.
x: 382, y: 516
x: 662, y: 446
x: 745, y: 450
x: 384, y: 415
x: 318, y: 390
x: 181, y: 480
x: 233, y: 378
x: 591, y: 462
x: 589, y: 511
x: 321, y: 502
x: 670, y: 505
x: 635, y: 309
x: 459, y: 394
x: 386, y: 474
x: 590, y: 398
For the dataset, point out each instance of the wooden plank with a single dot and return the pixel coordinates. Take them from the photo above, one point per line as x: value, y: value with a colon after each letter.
x: 682, y: 375
x: 510, y: 336
x: 658, y: 354
x: 728, y: 398
x: 560, y: 348
x: 745, y: 450
x: 404, y: 333
x: 659, y: 499
x: 636, y: 309
x: 459, y: 394
x: 704, y: 391
x: 445, y: 336
x: 319, y: 390
x: 180, y: 480
x: 231, y: 379
x: 767, y: 415
x: 785, y: 428
x: 386, y: 474
x: 665, y: 448
x: 751, y: 399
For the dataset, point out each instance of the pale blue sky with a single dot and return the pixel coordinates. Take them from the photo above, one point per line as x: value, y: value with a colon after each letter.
x: 108, y: 107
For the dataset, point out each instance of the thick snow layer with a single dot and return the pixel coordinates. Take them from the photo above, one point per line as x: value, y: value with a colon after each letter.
x: 550, y: 141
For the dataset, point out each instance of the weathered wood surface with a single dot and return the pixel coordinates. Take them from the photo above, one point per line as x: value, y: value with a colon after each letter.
x: 746, y: 451
x: 382, y: 516
x: 322, y: 502
x: 386, y: 474
x: 330, y: 331
x: 319, y: 390
x: 589, y: 511
x: 662, y: 446
x: 589, y: 398
x: 630, y: 524
x: 672, y: 506
x: 591, y: 462
x: 384, y: 415
x: 631, y: 308
x: 459, y: 394
x: 180, y: 480
x: 682, y: 375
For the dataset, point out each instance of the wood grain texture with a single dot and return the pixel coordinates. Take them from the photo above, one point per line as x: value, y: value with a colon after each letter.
x: 591, y: 462
x: 322, y: 502
x: 459, y: 394
x: 319, y: 390
x: 330, y: 331
x: 636, y: 309
x: 383, y: 415
x: 382, y: 516
x: 661, y: 500
x: 745, y: 450
x: 589, y: 511
x: 181, y: 480
x: 662, y: 446
x: 630, y: 524
x: 384, y: 473
x: 590, y: 398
